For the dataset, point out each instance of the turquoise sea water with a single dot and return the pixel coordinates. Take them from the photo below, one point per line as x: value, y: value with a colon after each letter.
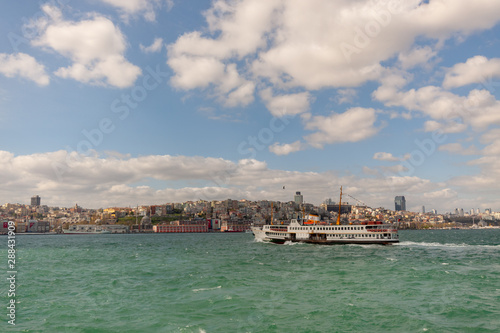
x: 433, y: 281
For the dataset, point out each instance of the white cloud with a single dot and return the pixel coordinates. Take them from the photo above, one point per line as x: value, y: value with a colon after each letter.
x: 25, y: 66
x: 286, y: 148
x: 457, y: 148
x: 486, y: 181
x: 95, y: 45
x: 289, y: 46
x: 477, y: 69
x: 63, y: 178
x: 354, y: 125
x: 346, y: 96
x: 228, y: 86
x: 449, y: 112
x: 445, y: 193
x: 298, y: 44
x: 382, y: 156
x: 394, y: 169
x: 416, y: 56
x: 446, y: 127
x: 153, y: 48
x: 286, y: 105
x: 195, y: 72
x: 146, y: 8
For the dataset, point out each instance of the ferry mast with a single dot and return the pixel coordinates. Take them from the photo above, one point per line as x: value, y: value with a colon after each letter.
x: 340, y: 206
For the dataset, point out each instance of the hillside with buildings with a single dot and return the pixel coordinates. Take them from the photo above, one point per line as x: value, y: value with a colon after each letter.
x: 228, y: 215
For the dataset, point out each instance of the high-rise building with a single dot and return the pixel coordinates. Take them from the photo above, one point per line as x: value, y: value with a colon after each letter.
x: 423, y: 209
x: 400, y: 203
x: 298, y: 198
x: 35, y: 200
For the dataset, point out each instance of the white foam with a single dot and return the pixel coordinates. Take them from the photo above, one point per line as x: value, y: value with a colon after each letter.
x: 205, y: 289
x: 445, y: 245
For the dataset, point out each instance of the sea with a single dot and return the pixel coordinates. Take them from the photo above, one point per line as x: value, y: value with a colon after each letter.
x: 432, y: 281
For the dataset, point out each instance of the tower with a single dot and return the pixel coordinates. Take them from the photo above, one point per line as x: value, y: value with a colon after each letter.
x: 298, y: 198
x: 400, y: 203
x: 35, y: 200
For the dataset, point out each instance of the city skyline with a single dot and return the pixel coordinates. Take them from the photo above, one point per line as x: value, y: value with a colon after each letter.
x: 298, y: 199
x: 110, y: 103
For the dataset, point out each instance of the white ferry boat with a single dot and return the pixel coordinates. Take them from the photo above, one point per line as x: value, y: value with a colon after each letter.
x: 86, y: 229
x: 374, y: 232
x: 311, y: 230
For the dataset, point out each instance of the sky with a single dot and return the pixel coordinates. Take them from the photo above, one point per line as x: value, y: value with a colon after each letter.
x: 130, y: 102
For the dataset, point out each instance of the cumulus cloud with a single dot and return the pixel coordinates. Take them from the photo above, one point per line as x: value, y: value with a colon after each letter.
x: 62, y: 178
x: 289, y: 104
x: 153, y: 48
x: 228, y: 86
x: 95, y: 45
x: 354, y: 125
x: 346, y: 96
x: 457, y: 148
x: 299, y: 44
x: 382, y: 156
x: 444, y: 127
x: 477, y: 69
x: 286, y: 148
x: 146, y: 8
x: 486, y: 181
x: 416, y: 56
x: 450, y: 112
x: 445, y: 193
x: 24, y: 66
x: 297, y: 48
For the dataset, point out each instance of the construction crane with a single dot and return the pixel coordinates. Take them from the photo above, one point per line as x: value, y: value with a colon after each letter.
x: 361, y: 202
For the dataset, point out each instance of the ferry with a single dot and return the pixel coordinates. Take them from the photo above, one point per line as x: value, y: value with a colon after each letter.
x: 373, y: 232
x: 310, y: 230
x: 85, y: 229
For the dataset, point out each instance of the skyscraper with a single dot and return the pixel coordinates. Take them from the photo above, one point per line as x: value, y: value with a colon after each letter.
x: 35, y: 200
x: 400, y: 203
x: 298, y: 198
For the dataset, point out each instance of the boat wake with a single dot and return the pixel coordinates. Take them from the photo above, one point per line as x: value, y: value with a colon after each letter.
x: 205, y: 289
x: 444, y: 245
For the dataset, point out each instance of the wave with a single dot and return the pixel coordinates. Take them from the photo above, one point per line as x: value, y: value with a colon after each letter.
x: 448, y: 245
x: 292, y: 243
x: 205, y: 289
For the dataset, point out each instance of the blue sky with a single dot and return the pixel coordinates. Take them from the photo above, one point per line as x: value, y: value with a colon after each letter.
x: 107, y: 102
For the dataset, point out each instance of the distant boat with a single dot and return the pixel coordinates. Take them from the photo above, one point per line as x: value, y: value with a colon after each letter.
x: 309, y: 230
x: 85, y: 229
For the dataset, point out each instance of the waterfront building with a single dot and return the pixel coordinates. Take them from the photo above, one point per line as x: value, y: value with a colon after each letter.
x: 37, y: 226
x: 400, y: 203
